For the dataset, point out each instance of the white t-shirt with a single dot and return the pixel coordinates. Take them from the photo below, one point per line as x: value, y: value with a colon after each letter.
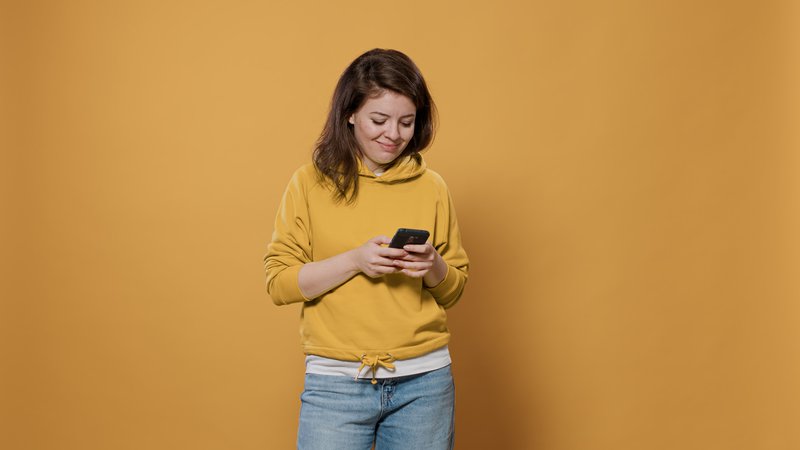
x: 425, y: 363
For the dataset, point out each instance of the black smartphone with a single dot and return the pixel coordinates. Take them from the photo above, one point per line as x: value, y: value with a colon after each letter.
x: 405, y: 236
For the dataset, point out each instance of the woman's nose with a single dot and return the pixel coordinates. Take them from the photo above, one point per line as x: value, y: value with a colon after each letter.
x: 392, y: 131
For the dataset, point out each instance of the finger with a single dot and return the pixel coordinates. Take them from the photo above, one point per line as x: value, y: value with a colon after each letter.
x: 413, y: 265
x: 383, y: 262
x: 383, y: 270
x: 417, y: 248
x: 415, y: 257
x: 378, y: 273
x: 414, y: 273
x: 394, y: 253
x: 382, y: 239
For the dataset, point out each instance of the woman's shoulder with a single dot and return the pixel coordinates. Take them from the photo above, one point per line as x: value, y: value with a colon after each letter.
x: 306, y: 170
x: 434, y: 178
x: 306, y: 173
x: 304, y: 177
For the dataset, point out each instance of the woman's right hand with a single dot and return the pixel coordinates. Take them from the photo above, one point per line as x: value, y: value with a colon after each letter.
x: 374, y: 260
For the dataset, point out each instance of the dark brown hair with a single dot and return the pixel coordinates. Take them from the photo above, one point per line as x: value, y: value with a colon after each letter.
x: 336, y: 153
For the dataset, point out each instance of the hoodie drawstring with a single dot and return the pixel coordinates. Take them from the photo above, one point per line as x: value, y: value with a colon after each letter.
x: 373, y: 363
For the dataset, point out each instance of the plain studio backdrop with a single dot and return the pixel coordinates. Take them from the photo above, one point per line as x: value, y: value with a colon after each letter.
x: 626, y: 175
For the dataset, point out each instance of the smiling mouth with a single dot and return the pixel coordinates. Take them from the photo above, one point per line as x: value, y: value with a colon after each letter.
x: 389, y: 146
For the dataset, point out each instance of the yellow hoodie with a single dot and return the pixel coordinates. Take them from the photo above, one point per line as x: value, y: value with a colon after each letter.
x: 391, y: 317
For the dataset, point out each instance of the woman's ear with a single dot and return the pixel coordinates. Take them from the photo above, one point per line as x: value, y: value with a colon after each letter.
x: 352, y: 119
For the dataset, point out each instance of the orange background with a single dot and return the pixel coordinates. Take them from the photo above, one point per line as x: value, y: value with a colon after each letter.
x: 626, y: 174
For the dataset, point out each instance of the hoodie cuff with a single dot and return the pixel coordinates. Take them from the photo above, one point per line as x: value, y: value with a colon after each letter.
x: 287, y: 287
x: 447, y: 286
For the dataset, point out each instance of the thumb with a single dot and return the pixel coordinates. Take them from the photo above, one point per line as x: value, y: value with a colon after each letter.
x: 382, y: 239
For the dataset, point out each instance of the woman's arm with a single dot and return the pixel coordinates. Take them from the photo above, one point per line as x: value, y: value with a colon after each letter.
x: 443, y: 263
x: 318, y: 277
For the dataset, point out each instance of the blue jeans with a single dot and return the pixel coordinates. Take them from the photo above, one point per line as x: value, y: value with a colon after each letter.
x: 412, y: 412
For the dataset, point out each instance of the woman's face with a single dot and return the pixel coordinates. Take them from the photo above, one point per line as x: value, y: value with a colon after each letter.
x: 383, y: 126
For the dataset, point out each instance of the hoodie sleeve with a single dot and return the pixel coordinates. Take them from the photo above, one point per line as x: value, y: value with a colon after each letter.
x: 290, y: 247
x: 447, y: 241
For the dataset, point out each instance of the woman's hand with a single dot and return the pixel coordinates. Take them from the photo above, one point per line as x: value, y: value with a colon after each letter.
x: 375, y: 260
x: 423, y: 261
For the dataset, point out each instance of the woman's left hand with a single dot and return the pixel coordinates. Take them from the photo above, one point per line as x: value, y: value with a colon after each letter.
x: 423, y: 261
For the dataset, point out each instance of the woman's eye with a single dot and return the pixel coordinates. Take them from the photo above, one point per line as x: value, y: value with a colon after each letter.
x: 378, y: 123
x: 408, y: 124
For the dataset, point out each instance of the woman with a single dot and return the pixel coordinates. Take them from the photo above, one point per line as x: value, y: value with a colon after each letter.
x: 373, y: 322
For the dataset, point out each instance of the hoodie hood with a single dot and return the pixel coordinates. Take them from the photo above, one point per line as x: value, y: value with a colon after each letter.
x: 409, y: 166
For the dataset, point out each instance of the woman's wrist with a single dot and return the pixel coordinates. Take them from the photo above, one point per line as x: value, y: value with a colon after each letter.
x: 350, y: 261
x: 437, y: 273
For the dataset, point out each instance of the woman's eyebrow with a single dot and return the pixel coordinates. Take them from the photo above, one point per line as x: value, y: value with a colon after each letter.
x: 386, y: 115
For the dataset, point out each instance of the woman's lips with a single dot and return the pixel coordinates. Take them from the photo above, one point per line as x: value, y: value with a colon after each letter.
x: 389, y: 147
